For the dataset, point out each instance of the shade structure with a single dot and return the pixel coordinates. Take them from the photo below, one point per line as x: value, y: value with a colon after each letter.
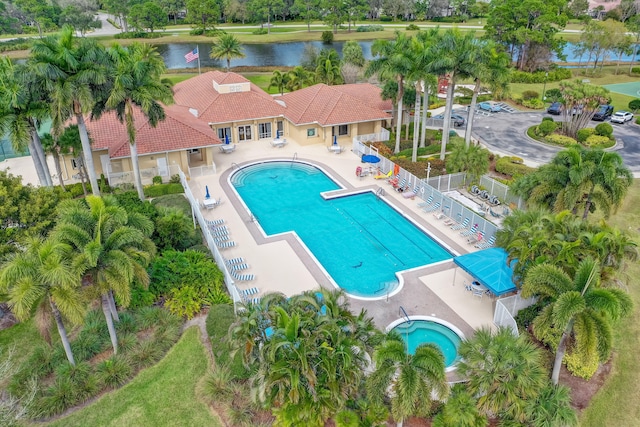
x: 370, y: 158
x: 226, y: 139
x: 489, y: 267
x: 335, y: 140
x: 207, y: 195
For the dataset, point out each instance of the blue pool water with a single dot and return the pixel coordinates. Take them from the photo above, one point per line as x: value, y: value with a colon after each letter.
x: 426, y: 331
x: 359, y: 239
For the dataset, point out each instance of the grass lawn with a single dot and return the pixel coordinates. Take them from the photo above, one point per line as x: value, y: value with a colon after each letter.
x: 178, y: 77
x: 262, y: 80
x: 164, y: 395
x: 615, y: 402
x: 23, y: 338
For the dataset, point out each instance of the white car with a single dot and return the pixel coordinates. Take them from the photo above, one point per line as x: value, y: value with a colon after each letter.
x: 621, y: 117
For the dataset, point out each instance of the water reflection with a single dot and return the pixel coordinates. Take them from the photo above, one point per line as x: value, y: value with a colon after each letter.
x: 289, y: 54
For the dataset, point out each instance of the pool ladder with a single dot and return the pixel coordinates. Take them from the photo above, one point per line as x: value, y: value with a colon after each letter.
x: 404, y: 312
x: 380, y: 192
x: 234, y: 165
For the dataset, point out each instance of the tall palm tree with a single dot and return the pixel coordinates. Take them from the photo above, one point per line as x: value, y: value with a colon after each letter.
x: 491, y: 68
x: 504, y: 372
x: 328, y: 67
x: 470, y: 158
x: 22, y: 107
x: 455, y: 55
x: 579, y: 309
x: 73, y: 72
x: 228, y: 47
x: 42, y: 279
x: 413, y: 379
x: 279, y: 80
x: 460, y: 410
x: 112, y: 247
x: 392, y: 60
x: 137, y: 85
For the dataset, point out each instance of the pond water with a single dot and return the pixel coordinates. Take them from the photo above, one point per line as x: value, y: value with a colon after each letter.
x: 285, y: 54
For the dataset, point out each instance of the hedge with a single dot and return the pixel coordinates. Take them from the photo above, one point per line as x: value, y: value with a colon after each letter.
x: 560, y: 139
x: 370, y: 28
x: 598, y: 141
x: 512, y: 166
x: 163, y: 189
x: 540, y: 77
x: 585, y: 133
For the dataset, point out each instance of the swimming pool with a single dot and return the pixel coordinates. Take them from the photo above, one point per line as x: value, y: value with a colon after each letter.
x: 360, y: 240
x: 421, y: 331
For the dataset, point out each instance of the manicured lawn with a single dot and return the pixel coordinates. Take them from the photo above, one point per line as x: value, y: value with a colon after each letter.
x: 23, y: 337
x: 262, y: 80
x: 616, y: 404
x: 177, y: 78
x: 164, y: 395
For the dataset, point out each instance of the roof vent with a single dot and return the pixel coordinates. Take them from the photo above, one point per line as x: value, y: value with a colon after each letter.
x: 194, y: 112
x: 281, y: 102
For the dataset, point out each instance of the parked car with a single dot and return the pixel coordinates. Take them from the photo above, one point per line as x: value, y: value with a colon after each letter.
x: 603, y: 113
x: 489, y: 106
x: 621, y: 117
x: 456, y: 119
x: 555, y: 108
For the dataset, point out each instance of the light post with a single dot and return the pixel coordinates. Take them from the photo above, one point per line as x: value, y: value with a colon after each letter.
x: 428, y: 169
x: 544, y: 87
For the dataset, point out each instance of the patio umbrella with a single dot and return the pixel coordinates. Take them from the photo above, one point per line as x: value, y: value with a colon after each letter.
x: 370, y: 158
x: 226, y: 139
x: 207, y: 195
x: 335, y: 140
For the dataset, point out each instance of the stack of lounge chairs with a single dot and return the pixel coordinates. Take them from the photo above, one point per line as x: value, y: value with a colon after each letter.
x: 220, y: 234
x: 236, y: 266
x: 487, y: 243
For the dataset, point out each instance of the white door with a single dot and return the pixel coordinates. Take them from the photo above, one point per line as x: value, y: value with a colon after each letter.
x: 163, y: 169
x: 106, y: 165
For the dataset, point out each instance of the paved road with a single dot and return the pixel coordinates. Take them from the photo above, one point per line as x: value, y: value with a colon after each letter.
x: 506, y: 133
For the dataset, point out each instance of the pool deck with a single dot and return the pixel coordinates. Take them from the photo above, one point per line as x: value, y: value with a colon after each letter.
x: 282, y: 264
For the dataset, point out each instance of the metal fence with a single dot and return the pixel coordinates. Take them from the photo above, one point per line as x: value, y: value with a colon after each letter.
x: 501, y: 191
x: 217, y: 256
x: 373, y: 137
x: 507, y: 308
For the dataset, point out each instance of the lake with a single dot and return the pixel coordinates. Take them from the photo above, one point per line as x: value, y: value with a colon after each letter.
x: 280, y: 54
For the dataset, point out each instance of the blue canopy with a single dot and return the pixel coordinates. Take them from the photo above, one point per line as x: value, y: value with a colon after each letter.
x: 489, y: 267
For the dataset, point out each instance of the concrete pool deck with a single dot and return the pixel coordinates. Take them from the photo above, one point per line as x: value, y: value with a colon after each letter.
x: 281, y: 264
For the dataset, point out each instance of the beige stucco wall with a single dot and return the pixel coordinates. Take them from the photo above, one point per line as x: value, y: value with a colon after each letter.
x: 255, y: 135
x: 299, y: 134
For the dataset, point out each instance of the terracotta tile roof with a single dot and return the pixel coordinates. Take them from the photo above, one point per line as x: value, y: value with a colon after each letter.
x: 328, y: 105
x: 213, y: 107
x: 368, y: 93
x: 180, y: 130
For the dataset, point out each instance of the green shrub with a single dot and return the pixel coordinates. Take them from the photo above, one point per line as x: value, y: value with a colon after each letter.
x: 553, y: 95
x: 174, y: 230
x: 530, y: 94
x: 141, y: 297
x: 327, y: 37
x: 175, y: 179
x: 525, y: 317
x: 157, y: 179
x: 57, y: 397
x: 580, y: 367
x: 373, y: 28
x: 585, y: 133
x: 86, y: 345
x: 558, y: 139
x: 126, y: 342
x: 546, y: 127
x: 132, y: 203
x: 137, y: 35
x: 598, y: 141
x: 75, y: 190
x: 175, y: 188
x: 94, y: 324
x: 184, y: 302
x: 386, y: 18
x: 219, y: 320
x: 412, y: 27
x: 638, y: 120
x: 127, y: 323
x: 634, y: 105
x: 512, y: 166
x: 547, y: 119
x: 145, y: 354
x: 158, y: 190
x: 259, y: 31
x: 540, y: 77
x: 635, y: 70
x: 534, y: 104
x: 604, y: 129
x: 196, y: 32
x: 114, y: 371
x: 81, y: 377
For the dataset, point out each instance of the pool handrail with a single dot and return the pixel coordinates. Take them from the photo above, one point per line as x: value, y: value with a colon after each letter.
x: 405, y: 314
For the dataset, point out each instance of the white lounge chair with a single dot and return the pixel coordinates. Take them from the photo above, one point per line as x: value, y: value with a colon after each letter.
x: 242, y: 277
x: 225, y: 245
x: 214, y: 222
x: 464, y: 224
x: 238, y: 267
x: 233, y: 261
x: 250, y: 291
x: 432, y: 208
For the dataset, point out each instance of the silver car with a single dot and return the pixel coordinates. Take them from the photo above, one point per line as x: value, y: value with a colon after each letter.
x: 621, y: 117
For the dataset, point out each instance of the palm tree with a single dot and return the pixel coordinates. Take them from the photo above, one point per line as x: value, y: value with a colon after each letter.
x: 227, y: 47
x: 21, y: 109
x: 460, y: 410
x: 491, y: 68
x: 137, y: 85
x: 454, y: 55
x: 579, y: 309
x: 298, y: 78
x: 393, y: 60
x: 413, y: 379
x: 73, y: 72
x: 112, y: 247
x: 471, y: 158
x: 610, y: 182
x: 504, y: 372
x: 42, y: 278
x: 552, y: 408
x: 279, y: 80
x: 328, y: 67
